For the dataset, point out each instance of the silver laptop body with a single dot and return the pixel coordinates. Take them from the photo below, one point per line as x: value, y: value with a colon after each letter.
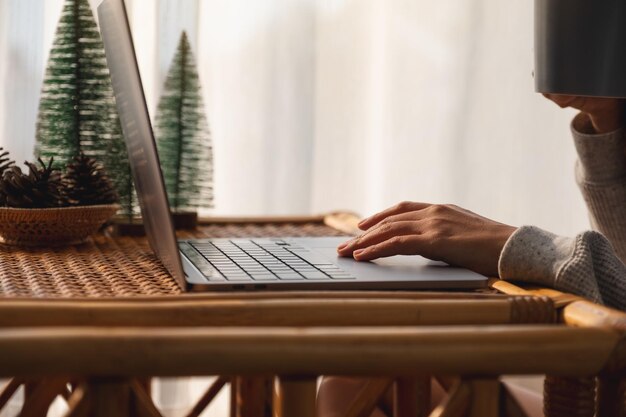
x: 241, y: 264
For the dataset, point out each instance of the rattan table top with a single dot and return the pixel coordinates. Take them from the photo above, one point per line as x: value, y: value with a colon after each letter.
x: 117, y: 266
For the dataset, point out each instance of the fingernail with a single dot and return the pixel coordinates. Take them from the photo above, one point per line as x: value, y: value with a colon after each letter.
x: 348, y: 243
x: 358, y: 252
x: 342, y: 246
x: 363, y: 221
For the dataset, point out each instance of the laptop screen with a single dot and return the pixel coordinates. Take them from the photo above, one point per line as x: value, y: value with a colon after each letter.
x: 133, y: 113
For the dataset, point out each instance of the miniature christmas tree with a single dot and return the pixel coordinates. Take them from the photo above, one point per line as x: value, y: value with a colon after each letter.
x: 77, y: 113
x: 183, y: 136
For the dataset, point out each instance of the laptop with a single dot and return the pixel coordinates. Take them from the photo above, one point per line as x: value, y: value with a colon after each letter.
x: 242, y: 264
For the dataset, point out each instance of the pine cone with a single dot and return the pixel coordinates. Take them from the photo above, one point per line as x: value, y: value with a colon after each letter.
x: 41, y: 188
x: 86, y: 183
x: 5, y: 161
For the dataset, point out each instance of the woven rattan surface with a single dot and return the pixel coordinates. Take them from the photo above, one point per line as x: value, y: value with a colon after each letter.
x: 44, y: 227
x: 116, y: 266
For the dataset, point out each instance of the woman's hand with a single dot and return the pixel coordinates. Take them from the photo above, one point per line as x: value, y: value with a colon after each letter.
x: 604, y: 114
x: 440, y: 232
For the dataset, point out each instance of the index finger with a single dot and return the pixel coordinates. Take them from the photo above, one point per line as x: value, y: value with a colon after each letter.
x: 399, y: 208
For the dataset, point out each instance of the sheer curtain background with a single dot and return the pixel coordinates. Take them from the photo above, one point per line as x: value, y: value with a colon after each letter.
x: 318, y: 105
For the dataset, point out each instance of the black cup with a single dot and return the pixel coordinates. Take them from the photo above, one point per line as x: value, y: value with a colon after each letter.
x: 580, y: 47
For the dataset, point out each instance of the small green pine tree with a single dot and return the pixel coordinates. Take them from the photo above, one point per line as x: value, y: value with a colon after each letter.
x: 77, y: 112
x: 183, y: 137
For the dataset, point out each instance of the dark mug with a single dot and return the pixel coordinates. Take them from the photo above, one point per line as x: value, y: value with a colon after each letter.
x: 580, y: 47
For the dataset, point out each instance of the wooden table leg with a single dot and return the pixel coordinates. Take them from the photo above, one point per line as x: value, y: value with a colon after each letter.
x: 485, y: 398
x: 38, y: 396
x: 411, y: 397
x: 233, y: 396
x: 8, y: 390
x: 569, y: 396
x: 372, y: 394
x: 253, y: 397
x: 109, y: 397
x: 296, y: 397
x: 78, y: 402
x: 611, y: 396
x: 456, y: 403
x: 208, y: 397
x: 141, y: 403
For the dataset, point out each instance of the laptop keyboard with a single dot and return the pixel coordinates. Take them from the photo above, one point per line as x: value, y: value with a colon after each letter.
x: 266, y: 260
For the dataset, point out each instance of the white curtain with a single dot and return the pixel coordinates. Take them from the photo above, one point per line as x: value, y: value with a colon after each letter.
x: 318, y: 105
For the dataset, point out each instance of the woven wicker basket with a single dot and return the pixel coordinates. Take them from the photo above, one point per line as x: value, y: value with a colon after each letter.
x: 53, y: 226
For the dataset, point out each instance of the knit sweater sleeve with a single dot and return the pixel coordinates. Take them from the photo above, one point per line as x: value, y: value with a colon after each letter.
x: 589, y: 264
x: 585, y: 265
x: 601, y: 176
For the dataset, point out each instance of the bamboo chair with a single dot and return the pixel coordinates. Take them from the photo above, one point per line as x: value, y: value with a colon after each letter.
x: 484, y: 311
x: 107, y: 360
x: 92, y: 351
x: 600, y: 395
x: 272, y: 309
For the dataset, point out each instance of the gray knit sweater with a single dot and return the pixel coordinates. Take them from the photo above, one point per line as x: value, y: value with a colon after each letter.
x: 590, y: 264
